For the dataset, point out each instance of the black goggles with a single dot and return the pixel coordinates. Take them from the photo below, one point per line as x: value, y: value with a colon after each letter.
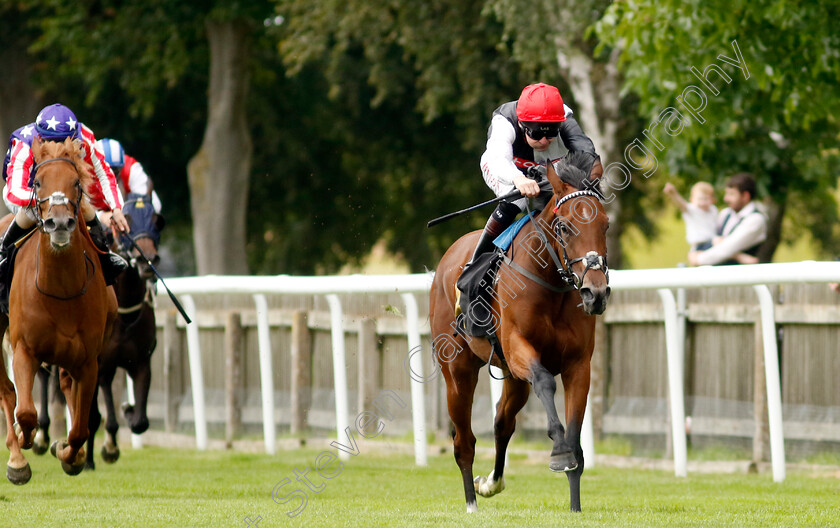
x: 537, y: 131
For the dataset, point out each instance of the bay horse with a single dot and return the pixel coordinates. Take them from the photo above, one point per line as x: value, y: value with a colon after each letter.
x: 133, y: 340
x: 538, y: 321
x: 60, y: 310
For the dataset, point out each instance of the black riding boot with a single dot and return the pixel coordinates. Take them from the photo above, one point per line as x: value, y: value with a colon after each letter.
x: 13, y: 234
x: 112, y: 264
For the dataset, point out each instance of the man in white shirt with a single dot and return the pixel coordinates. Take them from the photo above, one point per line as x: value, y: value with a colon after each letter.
x: 742, y: 227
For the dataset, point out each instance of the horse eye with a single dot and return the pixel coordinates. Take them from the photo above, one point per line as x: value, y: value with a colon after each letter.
x: 563, y: 228
x: 36, y: 184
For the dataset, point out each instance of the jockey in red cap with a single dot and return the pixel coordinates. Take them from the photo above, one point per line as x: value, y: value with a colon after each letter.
x: 523, y: 135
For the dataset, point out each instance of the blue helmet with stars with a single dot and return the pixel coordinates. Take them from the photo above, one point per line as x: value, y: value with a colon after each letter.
x: 56, y: 122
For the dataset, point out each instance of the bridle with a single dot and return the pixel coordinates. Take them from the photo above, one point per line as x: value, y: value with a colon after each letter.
x: 59, y: 198
x: 56, y: 198
x: 593, y: 259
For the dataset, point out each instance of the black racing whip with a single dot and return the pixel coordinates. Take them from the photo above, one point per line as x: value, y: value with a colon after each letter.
x: 152, y: 266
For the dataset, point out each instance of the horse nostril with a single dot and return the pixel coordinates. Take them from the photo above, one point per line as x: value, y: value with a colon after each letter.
x: 49, y: 225
x: 71, y: 224
x: 587, y: 295
x: 608, y: 292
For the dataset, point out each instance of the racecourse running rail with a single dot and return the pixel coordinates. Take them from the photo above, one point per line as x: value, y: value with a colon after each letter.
x: 661, y: 280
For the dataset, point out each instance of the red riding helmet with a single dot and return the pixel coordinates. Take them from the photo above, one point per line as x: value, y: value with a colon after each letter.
x: 540, y: 103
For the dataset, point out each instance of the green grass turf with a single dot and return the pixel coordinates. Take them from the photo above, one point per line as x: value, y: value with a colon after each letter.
x: 184, y: 488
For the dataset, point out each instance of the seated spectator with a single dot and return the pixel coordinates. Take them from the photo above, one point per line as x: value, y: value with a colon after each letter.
x: 741, y: 227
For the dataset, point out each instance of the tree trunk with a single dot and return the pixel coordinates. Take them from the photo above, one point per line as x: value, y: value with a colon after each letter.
x: 19, y: 101
x: 595, y: 86
x: 219, y: 173
x: 775, y: 215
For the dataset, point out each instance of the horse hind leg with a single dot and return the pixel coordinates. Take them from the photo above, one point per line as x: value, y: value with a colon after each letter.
x: 79, y: 393
x: 42, y: 435
x: 460, y: 388
x: 93, y: 426
x: 514, y: 397
x: 110, y: 450
x: 562, y: 455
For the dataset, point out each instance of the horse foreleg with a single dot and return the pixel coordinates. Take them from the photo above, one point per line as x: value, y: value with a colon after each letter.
x: 460, y: 389
x: 514, y: 397
x: 576, y: 385
x: 25, y: 367
x: 136, y: 414
x: 562, y: 456
x: 110, y: 449
x: 42, y: 436
x: 17, y: 469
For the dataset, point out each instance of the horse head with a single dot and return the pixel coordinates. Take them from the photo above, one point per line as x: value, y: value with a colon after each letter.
x: 60, y: 178
x: 146, y: 226
x: 580, y: 226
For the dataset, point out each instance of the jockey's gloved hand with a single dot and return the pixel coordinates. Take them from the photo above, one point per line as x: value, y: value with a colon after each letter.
x: 537, y: 173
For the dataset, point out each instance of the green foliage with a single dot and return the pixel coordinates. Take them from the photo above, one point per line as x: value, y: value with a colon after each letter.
x: 789, y: 88
x: 407, y: 94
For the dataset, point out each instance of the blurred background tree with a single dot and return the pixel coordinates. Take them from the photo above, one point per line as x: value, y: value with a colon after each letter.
x: 780, y: 123
x: 340, y: 125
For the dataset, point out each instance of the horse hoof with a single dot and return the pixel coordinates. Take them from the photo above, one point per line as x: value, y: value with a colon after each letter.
x: 90, y: 466
x: 55, y: 447
x: 488, y: 486
x: 71, y: 469
x: 19, y: 476
x: 41, y: 445
x: 110, y: 456
x: 563, y: 462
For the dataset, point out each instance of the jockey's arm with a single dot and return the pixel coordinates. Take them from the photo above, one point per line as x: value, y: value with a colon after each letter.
x: 497, y: 165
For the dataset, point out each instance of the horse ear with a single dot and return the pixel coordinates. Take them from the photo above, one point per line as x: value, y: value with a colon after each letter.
x: 553, y: 179
x: 36, y: 148
x: 159, y: 222
x: 560, y: 187
x: 597, y: 170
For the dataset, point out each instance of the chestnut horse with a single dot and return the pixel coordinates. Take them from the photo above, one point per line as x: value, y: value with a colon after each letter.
x: 60, y: 311
x: 556, y: 265
x: 131, y: 343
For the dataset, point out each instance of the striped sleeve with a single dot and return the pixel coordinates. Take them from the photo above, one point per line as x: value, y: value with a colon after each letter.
x: 17, y: 190
x: 138, y: 180
x: 104, y: 176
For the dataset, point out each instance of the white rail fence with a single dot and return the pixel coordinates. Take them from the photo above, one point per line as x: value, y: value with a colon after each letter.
x: 408, y: 286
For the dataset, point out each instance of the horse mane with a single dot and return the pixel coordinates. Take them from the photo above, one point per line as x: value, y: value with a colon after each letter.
x: 71, y: 149
x: 576, y: 170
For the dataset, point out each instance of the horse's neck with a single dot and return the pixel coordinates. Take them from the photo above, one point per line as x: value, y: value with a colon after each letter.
x: 64, y: 270
x: 130, y: 288
x: 532, y: 252
x: 529, y: 251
